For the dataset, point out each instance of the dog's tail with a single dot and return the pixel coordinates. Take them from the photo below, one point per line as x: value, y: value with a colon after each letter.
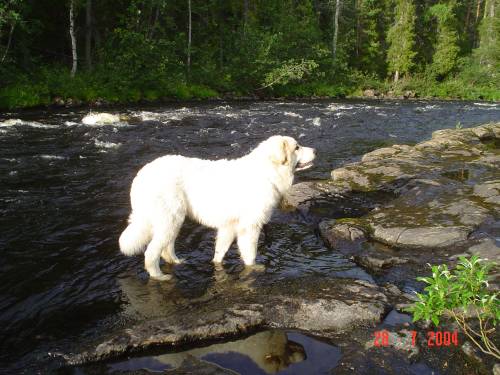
x: 136, y: 236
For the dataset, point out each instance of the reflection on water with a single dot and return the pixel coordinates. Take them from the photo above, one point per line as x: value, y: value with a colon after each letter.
x: 268, y: 352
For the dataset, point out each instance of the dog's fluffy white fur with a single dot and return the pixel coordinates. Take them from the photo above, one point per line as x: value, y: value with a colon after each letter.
x: 236, y: 197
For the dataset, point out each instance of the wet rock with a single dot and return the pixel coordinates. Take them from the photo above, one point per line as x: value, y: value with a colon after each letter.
x: 370, y: 93
x: 496, y: 369
x: 341, y: 235
x: 320, y: 306
x: 420, y: 237
x: 401, y: 341
x: 445, y: 189
x: 375, y: 261
x: 489, y: 191
x: 470, y: 351
x: 486, y: 249
x: 302, y: 194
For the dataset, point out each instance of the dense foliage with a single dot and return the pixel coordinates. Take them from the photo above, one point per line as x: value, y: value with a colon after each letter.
x: 130, y: 50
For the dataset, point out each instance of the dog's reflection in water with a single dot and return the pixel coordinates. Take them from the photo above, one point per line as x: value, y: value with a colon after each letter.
x: 271, y: 350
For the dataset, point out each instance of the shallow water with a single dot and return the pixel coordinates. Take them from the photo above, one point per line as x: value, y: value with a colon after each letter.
x: 64, y: 202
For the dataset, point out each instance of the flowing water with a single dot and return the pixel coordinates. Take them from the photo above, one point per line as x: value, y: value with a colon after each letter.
x: 64, y: 202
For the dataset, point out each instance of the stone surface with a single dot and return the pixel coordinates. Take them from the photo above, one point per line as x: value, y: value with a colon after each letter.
x: 318, y: 306
x: 339, y: 235
x: 445, y: 189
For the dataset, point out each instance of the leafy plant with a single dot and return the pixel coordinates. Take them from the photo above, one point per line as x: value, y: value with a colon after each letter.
x: 461, y: 293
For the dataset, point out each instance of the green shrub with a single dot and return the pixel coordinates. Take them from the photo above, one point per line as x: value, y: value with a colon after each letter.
x: 459, y: 293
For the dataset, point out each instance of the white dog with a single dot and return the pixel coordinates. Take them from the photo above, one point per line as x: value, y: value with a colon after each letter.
x: 236, y: 197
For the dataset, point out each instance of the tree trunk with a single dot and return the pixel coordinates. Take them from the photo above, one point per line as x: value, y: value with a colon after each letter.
x: 396, y: 76
x: 336, y: 29
x: 72, y: 35
x: 88, y: 34
x: 11, y: 31
x: 358, y: 4
x: 245, y: 15
x: 189, y: 43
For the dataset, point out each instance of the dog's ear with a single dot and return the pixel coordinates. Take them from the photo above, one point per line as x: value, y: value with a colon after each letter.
x: 280, y: 152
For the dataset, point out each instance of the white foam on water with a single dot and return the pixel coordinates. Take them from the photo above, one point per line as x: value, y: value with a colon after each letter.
x: 301, y: 135
x: 70, y: 123
x: 51, y: 157
x: 427, y: 107
x: 316, y: 121
x: 34, y: 124
x: 232, y: 115
x: 235, y: 145
x: 12, y: 160
x: 101, y: 119
x: 11, y: 122
x: 12, y: 173
x: 106, y: 145
x: 223, y: 107
x: 393, y: 135
x: 337, y: 107
x: 292, y: 114
x: 233, y: 131
x: 487, y: 104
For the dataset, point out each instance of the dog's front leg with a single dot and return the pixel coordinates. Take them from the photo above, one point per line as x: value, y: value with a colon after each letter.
x: 225, y: 237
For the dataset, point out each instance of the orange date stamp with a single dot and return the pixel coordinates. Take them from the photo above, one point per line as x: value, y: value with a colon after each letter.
x: 384, y: 338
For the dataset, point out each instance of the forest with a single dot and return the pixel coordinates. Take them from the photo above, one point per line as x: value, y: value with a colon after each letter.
x: 122, y: 51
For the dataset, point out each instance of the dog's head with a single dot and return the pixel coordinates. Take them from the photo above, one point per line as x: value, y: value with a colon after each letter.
x: 286, y: 151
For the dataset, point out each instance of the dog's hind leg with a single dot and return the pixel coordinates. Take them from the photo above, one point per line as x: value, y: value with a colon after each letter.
x: 168, y: 252
x: 152, y: 258
x: 165, y: 229
x: 225, y: 237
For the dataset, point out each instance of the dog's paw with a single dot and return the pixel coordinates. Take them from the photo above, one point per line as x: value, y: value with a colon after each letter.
x: 257, y: 267
x: 161, y: 277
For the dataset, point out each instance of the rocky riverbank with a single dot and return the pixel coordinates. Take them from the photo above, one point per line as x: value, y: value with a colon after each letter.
x: 428, y: 203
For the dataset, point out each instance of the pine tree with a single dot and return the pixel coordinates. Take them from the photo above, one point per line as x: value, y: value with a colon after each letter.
x: 401, y: 39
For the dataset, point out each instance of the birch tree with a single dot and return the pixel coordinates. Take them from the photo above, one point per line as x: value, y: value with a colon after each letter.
x: 335, y: 27
x: 73, y: 37
x: 189, y: 41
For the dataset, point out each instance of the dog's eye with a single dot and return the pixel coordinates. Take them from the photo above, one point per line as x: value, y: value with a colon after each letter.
x: 297, y: 148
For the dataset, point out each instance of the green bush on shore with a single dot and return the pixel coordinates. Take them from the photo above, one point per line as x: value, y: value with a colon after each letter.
x: 56, y: 84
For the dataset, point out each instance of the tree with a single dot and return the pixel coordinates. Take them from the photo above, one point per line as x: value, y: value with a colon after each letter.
x: 73, y: 37
x: 88, y: 34
x: 488, y: 52
x: 335, y: 28
x: 189, y: 41
x: 446, y: 49
x: 401, y: 39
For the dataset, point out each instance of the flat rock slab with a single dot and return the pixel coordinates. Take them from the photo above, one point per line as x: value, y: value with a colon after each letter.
x: 314, y: 305
x: 426, y: 237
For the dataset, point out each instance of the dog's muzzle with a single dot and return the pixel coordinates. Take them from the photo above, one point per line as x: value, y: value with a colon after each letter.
x: 306, y: 159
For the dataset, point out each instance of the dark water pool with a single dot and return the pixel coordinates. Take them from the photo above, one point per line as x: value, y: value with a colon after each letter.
x: 64, y: 202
